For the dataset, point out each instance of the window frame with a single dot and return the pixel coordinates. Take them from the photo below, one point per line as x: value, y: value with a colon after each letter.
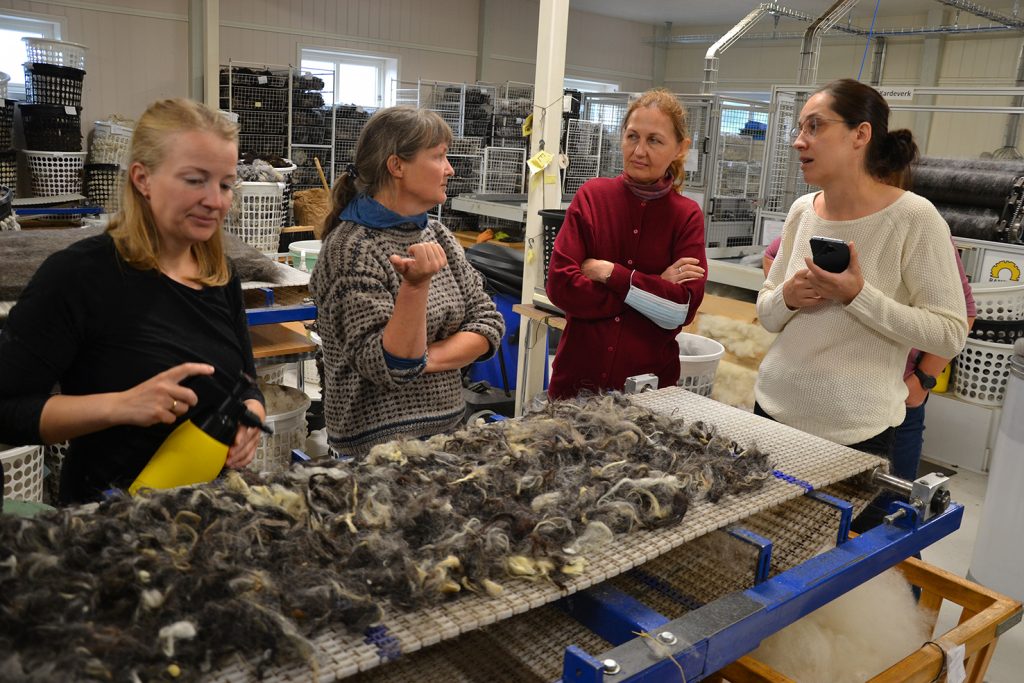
x: 48, y: 26
x: 589, y: 85
x: 386, y: 65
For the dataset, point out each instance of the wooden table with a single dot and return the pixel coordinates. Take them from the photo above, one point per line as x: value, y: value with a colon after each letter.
x: 282, y: 343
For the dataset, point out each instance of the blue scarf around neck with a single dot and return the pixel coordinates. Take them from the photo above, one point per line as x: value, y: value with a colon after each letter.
x: 367, y: 211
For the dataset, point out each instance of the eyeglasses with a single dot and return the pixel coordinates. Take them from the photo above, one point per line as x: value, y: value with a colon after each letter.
x: 810, y: 127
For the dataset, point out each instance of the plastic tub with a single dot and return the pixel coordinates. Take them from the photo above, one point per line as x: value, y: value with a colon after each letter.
x: 698, y: 362
x: 23, y: 472
x: 303, y: 254
x: 274, y: 452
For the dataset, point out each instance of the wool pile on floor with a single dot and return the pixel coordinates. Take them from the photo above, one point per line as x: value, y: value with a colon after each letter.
x: 169, y: 583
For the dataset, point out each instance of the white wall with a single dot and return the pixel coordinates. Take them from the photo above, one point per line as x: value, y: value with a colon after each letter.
x: 139, y: 51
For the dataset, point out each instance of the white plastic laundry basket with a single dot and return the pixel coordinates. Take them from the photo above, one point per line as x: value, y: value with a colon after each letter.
x: 274, y: 452
x: 23, y: 472
x: 258, y: 222
x: 698, y: 362
x: 981, y: 372
x: 999, y: 301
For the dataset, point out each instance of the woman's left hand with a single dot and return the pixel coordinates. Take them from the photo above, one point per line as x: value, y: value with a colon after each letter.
x: 842, y: 287
x: 597, y: 270
x: 243, y: 450
x: 685, y: 269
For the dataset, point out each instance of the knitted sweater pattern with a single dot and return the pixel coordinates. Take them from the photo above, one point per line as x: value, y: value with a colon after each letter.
x: 354, y: 286
x: 837, y: 371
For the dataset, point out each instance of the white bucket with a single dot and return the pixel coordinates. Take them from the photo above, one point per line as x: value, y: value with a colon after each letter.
x: 698, y: 362
x: 274, y: 454
x: 304, y: 254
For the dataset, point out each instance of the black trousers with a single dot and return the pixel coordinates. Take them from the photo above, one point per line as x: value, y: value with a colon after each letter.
x: 880, y: 445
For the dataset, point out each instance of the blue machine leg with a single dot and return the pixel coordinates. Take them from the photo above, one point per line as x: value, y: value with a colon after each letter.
x: 845, y: 513
x: 721, y: 632
x: 764, y: 551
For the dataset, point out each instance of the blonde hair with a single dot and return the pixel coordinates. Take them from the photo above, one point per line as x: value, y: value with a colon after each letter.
x: 402, y: 131
x: 133, y: 228
x: 667, y: 104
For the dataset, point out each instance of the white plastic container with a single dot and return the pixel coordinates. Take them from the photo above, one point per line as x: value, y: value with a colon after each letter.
x: 274, y: 454
x: 698, y: 362
x: 303, y: 254
x: 998, y: 559
x: 23, y: 472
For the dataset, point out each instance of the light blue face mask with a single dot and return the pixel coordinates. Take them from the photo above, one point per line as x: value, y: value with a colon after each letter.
x: 664, y: 313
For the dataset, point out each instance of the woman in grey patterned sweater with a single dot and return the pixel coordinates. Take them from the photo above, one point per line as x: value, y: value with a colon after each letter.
x: 401, y: 311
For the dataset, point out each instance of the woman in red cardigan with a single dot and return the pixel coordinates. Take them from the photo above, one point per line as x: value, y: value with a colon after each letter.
x: 628, y: 267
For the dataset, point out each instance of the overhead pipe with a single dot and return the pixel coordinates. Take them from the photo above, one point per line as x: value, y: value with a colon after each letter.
x: 811, y: 45
x: 696, y: 38
x: 984, y: 12
x: 878, y: 60
x: 711, y: 57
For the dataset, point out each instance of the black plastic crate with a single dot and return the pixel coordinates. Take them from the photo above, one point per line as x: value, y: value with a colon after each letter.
x: 6, y: 123
x: 9, y: 170
x: 998, y: 331
x: 102, y: 183
x: 51, y: 127
x: 551, y: 219
x: 52, y: 84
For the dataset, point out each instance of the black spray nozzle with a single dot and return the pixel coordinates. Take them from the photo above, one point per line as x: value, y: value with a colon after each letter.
x: 232, y: 411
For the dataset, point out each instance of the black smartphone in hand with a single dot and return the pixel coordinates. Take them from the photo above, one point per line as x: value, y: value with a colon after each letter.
x: 830, y: 254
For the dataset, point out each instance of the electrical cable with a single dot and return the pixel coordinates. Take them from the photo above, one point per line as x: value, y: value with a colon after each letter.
x: 871, y: 32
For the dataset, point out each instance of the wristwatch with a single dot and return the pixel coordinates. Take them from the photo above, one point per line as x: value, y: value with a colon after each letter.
x: 927, y: 381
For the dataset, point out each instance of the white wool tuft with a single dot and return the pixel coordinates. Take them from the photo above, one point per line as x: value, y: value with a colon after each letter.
x: 854, y: 637
x: 734, y: 385
x: 747, y: 341
x: 179, y: 630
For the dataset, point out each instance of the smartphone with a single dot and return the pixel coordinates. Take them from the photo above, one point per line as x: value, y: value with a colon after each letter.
x: 830, y: 254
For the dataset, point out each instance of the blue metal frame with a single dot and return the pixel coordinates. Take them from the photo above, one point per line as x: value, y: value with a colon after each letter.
x: 764, y: 551
x: 280, y: 314
x: 721, y: 632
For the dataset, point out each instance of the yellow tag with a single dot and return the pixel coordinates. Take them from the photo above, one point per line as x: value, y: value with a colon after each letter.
x: 550, y: 179
x: 539, y: 161
x: 528, y: 126
x: 530, y: 256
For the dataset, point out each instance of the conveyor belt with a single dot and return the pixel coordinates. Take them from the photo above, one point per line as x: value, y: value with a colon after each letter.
x: 802, y: 462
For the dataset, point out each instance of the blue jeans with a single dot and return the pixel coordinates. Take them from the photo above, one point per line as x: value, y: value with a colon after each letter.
x: 904, y: 458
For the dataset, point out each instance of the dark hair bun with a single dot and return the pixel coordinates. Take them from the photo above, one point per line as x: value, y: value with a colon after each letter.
x: 899, y: 149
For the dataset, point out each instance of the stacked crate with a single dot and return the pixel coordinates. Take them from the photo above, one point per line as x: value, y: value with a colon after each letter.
x: 51, y: 116
x: 583, y: 146
x: 8, y: 159
x: 466, y: 157
x: 311, y: 128
x: 349, y: 120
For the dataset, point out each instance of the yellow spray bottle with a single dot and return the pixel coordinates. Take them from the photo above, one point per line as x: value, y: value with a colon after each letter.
x: 195, y: 452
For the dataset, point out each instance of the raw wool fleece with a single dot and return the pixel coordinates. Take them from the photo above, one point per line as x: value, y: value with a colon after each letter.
x: 842, y: 642
x: 256, y: 565
x: 23, y: 251
x: 745, y: 345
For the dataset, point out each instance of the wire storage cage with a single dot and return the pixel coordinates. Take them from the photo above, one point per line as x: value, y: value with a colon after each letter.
x: 583, y: 146
x: 478, y: 111
x: 52, y: 84
x: 736, y: 172
x: 4, y: 80
x: 504, y: 170
x: 447, y: 99
x: 608, y: 109
x: 51, y: 127
x: 57, y: 52
x: 312, y: 126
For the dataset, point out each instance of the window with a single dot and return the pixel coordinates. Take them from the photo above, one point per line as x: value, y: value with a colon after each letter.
x: 358, y: 78
x: 12, y: 50
x: 590, y: 86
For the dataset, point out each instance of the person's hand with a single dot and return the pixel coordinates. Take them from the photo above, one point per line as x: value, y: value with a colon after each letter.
x: 842, y: 287
x: 425, y: 260
x: 916, y: 394
x: 158, y: 399
x: 243, y: 450
x: 685, y: 269
x: 798, y: 292
x: 597, y: 270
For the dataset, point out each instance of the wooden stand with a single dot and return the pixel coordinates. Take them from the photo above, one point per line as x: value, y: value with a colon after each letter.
x: 985, y: 615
